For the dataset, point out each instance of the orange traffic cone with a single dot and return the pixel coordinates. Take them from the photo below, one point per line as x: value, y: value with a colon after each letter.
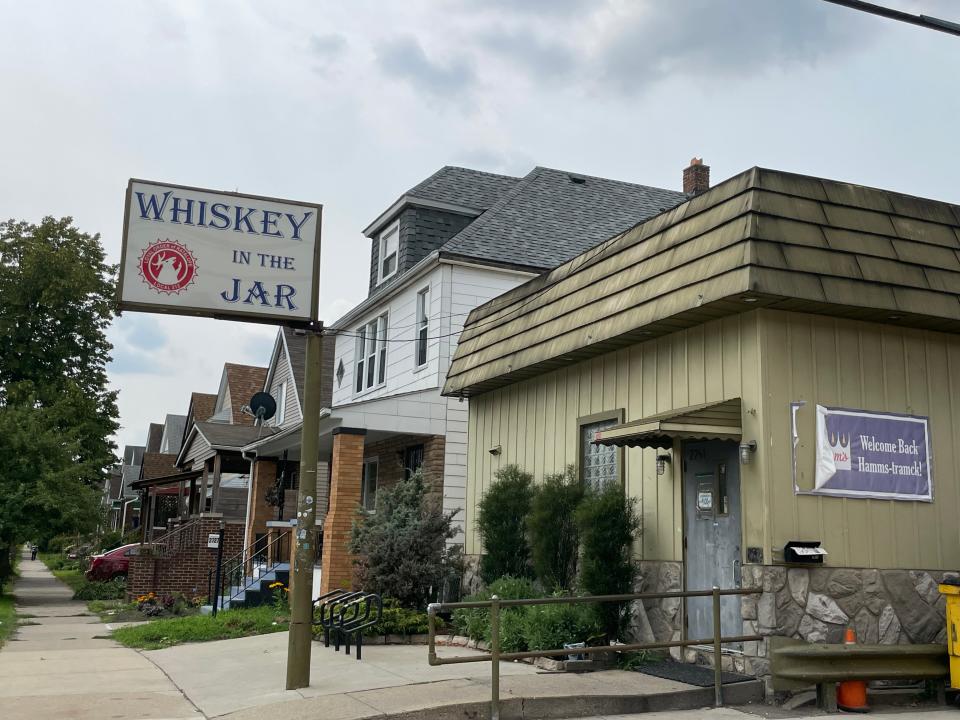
x: 852, y: 694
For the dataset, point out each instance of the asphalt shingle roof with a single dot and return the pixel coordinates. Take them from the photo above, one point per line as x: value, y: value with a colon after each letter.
x: 463, y: 186
x: 548, y: 218
x: 225, y: 435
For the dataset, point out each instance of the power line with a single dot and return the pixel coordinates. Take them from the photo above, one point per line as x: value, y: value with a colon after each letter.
x: 924, y: 21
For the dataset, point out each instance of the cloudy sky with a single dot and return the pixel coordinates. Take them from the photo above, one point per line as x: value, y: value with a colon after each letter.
x: 351, y: 103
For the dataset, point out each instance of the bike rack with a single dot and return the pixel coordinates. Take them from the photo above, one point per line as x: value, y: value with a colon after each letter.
x: 345, y: 614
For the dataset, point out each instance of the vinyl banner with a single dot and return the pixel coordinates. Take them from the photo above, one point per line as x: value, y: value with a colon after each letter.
x: 873, y: 455
x: 191, y: 251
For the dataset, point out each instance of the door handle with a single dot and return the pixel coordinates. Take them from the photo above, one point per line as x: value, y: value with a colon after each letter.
x: 736, y: 573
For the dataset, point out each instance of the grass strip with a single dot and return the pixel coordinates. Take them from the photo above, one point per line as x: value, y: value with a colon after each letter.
x: 8, y: 618
x: 228, y: 624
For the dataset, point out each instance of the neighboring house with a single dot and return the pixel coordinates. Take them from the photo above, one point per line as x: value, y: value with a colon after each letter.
x: 452, y: 242
x: 769, y: 362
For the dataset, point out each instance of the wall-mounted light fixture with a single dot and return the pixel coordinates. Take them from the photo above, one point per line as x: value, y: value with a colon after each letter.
x: 495, y: 450
x: 662, y: 459
x: 747, y: 449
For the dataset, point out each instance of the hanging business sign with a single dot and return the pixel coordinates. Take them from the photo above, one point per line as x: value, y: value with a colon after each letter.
x: 873, y: 455
x: 190, y: 251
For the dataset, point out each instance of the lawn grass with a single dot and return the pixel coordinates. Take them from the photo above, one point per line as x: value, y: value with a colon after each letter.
x: 8, y: 618
x: 228, y: 624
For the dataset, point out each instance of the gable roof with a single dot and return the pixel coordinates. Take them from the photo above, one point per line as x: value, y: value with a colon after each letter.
x: 173, y: 427
x: 553, y: 215
x: 242, y: 382
x: 154, y: 436
x: 202, y: 406
x: 763, y: 238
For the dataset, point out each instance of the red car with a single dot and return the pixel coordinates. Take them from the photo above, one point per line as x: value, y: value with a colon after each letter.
x: 111, y: 564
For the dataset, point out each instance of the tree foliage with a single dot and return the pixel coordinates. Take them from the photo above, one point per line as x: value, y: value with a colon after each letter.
x: 554, y: 540
x: 502, y: 522
x: 402, y: 546
x: 56, y: 412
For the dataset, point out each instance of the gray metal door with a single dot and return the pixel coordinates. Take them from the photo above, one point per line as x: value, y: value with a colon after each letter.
x: 711, y: 487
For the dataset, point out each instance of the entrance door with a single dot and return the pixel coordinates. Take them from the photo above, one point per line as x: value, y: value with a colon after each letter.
x: 711, y: 491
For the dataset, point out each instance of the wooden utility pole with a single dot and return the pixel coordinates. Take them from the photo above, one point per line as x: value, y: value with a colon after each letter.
x: 300, y: 641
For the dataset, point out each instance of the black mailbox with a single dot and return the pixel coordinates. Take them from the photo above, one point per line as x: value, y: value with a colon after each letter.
x: 803, y: 551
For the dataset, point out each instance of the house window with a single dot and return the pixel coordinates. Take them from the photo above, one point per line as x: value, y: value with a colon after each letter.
x: 371, y: 354
x: 599, y: 464
x: 388, y: 251
x: 281, y: 404
x: 368, y: 491
x: 412, y: 460
x: 423, y: 323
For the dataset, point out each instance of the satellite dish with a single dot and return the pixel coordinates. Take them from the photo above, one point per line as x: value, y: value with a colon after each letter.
x: 263, y: 405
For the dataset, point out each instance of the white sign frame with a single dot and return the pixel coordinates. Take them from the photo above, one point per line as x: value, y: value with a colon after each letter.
x: 164, y: 303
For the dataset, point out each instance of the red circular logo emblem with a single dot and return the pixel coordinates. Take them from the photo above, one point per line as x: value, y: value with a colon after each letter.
x: 168, y: 266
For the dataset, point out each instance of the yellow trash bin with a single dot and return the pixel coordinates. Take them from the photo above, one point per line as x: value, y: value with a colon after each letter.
x: 951, y: 590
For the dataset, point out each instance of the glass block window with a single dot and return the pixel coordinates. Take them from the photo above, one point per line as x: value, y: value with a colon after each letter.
x: 598, y: 463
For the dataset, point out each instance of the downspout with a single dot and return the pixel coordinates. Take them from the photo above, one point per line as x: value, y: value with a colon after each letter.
x: 251, y: 456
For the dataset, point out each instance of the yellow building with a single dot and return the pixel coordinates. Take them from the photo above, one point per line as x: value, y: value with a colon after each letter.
x: 788, y: 348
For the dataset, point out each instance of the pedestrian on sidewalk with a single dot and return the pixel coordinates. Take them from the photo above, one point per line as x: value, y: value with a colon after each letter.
x: 33, y: 551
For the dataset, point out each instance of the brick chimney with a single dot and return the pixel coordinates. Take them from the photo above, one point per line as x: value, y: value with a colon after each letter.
x: 696, y: 178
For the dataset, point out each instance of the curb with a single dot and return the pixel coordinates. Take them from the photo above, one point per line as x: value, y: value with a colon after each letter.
x: 558, y: 707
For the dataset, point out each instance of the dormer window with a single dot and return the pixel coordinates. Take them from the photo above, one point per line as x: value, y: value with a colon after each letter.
x: 389, y: 248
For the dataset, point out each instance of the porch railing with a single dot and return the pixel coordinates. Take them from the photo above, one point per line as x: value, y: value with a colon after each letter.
x: 252, y: 562
x: 495, y: 656
x: 171, y: 543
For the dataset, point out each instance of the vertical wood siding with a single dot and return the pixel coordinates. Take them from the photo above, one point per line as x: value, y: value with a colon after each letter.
x: 535, y: 421
x: 869, y: 366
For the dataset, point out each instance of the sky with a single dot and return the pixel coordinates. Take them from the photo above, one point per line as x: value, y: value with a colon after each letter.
x: 349, y: 104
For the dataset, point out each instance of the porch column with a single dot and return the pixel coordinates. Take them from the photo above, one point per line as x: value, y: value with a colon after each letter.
x: 262, y: 478
x: 204, y: 485
x: 215, y: 500
x: 346, y: 476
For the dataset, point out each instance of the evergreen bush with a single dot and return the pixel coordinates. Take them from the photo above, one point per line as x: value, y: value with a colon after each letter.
x: 475, y: 622
x: 502, y: 522
x: 402, y: 546
x: 554, y: 540
x: 608, y: 524
x: 549, y: 627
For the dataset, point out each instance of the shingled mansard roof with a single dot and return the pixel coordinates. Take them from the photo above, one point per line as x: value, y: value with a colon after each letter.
x: 763, y: 238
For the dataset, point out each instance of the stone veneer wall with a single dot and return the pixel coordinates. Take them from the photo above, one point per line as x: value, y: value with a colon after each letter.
x: 818, y: 603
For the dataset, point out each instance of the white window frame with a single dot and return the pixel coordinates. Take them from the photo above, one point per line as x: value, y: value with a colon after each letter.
x: 422, y: 328
x: 390, y: 236
x: 370, y: 363
x: 367, y: 503
x: 281, y: 404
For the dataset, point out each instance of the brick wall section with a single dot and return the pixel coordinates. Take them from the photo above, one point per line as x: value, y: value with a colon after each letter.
x: 264, y: 477
x: 390, y: 457
x: 187, y: 571
x: 345, y: 477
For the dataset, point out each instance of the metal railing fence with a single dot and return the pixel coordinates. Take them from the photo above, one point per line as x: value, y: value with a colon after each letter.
x: 169, y: 544
x: 495, y: 656
x: 256, y: 559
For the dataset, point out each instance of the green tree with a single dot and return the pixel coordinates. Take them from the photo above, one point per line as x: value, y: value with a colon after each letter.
x: 56, y: 413
x: 502, y: 522
x: 554, y: 539
x: 402, y: 546
x: 608, y: 524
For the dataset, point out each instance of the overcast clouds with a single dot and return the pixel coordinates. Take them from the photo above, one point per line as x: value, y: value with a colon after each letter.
x: 349, y: 104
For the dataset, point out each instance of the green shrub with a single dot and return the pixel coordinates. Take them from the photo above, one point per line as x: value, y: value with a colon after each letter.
x: 403, y: 545
x: 554, y: 540
x: 398, y: 620
x: 608, y: 523
x: 110, y: 540
x: 502, y: 522
x: 548, y: 627
x: 114, y: 589
x: 475, y: 622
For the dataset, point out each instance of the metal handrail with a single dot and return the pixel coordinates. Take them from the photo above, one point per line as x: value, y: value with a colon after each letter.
x: 495, y: 604
x: 176, y: 539
x: 233, y: 570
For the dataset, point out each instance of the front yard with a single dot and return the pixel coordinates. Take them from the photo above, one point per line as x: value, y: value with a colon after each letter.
x: 226, y: 625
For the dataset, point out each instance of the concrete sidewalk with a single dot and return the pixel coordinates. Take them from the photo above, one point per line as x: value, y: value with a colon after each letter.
x: 243, y: 679
x: 62, y: 664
